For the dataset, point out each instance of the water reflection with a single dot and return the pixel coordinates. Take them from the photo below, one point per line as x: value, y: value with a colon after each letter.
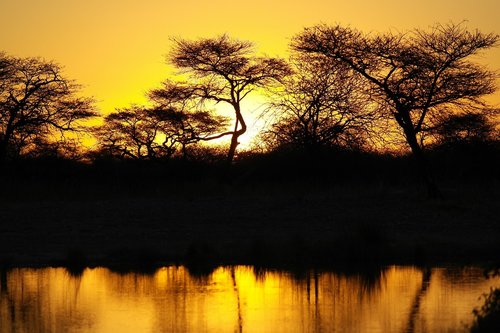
x: 240, y: 299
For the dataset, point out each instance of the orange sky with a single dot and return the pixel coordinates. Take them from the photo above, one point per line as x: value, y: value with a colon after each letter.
x: 116, y: 48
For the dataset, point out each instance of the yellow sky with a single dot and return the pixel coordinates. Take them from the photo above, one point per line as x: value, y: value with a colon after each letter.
x: 116, y: 48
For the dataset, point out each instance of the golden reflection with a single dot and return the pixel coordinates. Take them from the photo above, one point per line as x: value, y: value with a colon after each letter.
x: 234, y: 299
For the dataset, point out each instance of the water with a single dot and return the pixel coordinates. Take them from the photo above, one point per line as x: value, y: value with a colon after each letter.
x: 239, y: 299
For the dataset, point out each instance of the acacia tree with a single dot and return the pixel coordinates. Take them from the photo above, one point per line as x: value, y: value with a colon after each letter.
x: 225, y: 70
x: 176, y: 106
x: 129, y: 132
x: 322, y: 104
x: 36, y: 102
x: 165, y: 129
x: 411, y: 74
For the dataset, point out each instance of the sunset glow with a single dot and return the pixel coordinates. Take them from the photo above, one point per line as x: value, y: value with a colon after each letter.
x: 235, y: 300
x: 116, y: 49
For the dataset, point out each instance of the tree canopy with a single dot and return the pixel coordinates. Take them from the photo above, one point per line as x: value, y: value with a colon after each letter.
x: 413, y: 74
x: 226, y: 70
x: 37, y: 104
x: 167, y: 128
x: 321, y: 104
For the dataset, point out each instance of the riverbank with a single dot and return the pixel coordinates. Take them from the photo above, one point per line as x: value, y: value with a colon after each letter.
x: 269, y: 226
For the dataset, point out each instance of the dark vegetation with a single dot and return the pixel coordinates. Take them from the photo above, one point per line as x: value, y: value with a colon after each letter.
x: 380, y: 150
x: 487, y: 317
x: 288, y: 208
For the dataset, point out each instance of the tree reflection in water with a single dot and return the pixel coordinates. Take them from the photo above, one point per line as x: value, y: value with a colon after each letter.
x: 242, y: 299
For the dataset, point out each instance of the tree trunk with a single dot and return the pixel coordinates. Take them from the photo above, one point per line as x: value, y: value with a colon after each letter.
x: 3, y: 152
x: 232, y: 147
x: 184, y: 152
x: 419, y: 297
x: 422, y: 163
x: 236, y: 134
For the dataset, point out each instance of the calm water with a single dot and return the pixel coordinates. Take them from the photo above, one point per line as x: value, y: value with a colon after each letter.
x: 238, y: 299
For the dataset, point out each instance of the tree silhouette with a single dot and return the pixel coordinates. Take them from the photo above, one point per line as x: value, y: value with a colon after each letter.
x: 165, y: 129
x: 36, y: 103
x: 411, y: 74
x: 130, y: 132
x: 464, y: 128
x: 224, y: 70
x: 322, y: 104
x: 177, y: 103
x: 487, y: 317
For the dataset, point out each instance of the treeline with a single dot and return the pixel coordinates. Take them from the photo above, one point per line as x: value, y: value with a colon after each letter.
x: 340, y: 91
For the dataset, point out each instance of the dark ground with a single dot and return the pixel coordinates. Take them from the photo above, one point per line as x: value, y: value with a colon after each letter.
x: 270, y: 226
x: 284, y: 210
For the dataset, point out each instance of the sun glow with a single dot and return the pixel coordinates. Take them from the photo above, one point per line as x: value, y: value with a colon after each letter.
x: 117, y: 49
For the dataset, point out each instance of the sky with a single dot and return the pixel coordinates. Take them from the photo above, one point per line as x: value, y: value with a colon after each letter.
x: 116, y: 49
